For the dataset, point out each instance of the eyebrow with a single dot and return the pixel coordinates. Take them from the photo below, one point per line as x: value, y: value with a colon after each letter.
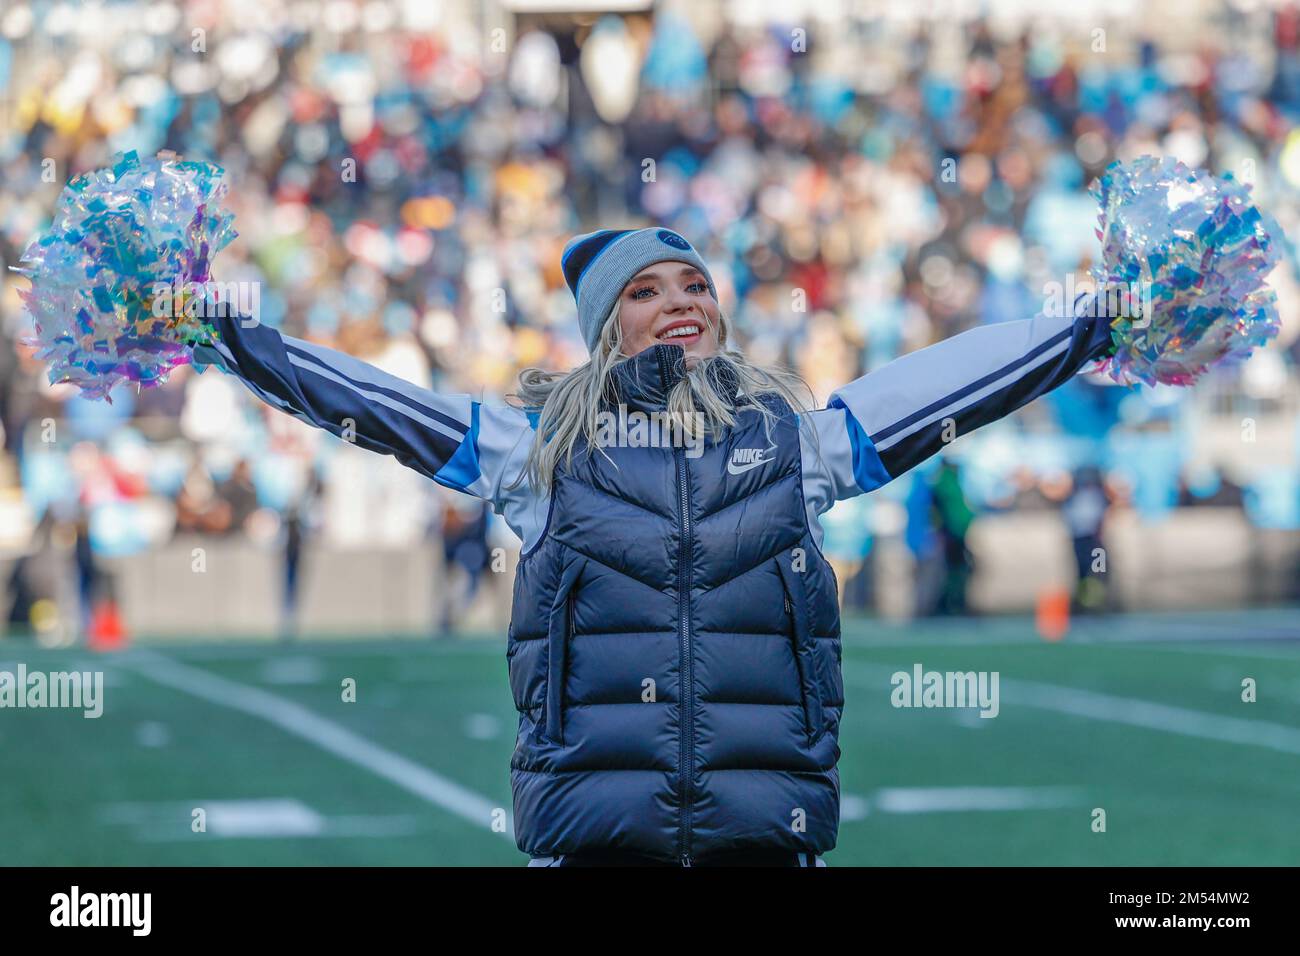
x: 685, y: 270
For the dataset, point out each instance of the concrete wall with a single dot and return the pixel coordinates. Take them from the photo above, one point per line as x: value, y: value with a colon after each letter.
x: 230, y: 587
x: 1198, y: 558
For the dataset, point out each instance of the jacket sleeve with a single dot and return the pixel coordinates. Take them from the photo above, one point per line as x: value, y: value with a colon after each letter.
x: 458, y: 442
x: 880, y: 425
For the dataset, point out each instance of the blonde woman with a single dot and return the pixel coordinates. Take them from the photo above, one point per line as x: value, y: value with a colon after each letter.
x: 674, y: 647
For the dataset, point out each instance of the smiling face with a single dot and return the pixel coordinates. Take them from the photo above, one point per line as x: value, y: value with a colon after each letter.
x: 670, y: 303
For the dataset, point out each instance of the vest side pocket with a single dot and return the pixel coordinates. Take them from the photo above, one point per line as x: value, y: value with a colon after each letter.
x: 805, y: 657
x: 559, y: 630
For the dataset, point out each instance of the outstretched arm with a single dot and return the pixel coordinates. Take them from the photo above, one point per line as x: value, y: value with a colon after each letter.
x: 889, y: 420
x: 455, y: 441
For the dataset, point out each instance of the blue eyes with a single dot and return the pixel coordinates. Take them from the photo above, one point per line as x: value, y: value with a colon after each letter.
x: 695, y: 287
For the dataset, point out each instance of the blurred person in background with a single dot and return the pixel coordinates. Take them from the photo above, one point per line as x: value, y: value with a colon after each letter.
x: 198, y: 507
x: 1028, y: 493
x: 33, y: 578
x: 465, y: 556
x: 90, y: 582
x: 54, y: 583
x: 848, y: 546
x: 297, y: 524
x: 951, y: 516
x: 1084, y: 512
x: 1208, y: 487
x: 238, y: 494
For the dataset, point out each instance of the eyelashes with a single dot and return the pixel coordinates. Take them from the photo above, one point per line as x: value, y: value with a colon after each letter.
x: 698, y: 288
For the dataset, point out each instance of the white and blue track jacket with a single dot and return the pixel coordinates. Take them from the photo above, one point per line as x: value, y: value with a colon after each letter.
x: 873, y: 429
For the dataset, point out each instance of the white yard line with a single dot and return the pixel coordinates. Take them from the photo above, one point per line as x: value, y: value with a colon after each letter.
x: 1110, y: 708
x: 328, y: 647
x: 964, y: 799
x: 1124, y: 631
x: 955, y: 640
x: 1234, y: 650
x: 1077, y: 637
x: 272, y: 818
x: 321, y: 732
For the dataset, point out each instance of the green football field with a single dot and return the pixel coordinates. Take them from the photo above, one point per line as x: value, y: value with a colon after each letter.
x: 1140, y: 717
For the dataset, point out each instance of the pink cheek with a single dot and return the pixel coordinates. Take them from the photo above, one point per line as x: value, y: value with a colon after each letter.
x: 637, y: 331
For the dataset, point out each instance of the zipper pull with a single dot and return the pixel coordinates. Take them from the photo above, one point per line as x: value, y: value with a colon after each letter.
x: 786, y: 599
x: 686, y: 859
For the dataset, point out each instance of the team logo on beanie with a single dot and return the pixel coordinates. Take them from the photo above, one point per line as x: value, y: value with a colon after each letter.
x: 672, y: 239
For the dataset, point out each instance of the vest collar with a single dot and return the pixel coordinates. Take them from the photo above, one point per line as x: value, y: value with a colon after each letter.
x: 644, y: 380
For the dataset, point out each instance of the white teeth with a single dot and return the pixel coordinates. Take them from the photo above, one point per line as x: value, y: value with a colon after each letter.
x: 683, y: 330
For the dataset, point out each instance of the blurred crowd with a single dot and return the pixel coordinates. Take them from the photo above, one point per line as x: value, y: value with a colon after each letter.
x: 404, y: 175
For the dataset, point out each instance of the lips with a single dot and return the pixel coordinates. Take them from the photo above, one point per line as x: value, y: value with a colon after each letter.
x: 681, y: 333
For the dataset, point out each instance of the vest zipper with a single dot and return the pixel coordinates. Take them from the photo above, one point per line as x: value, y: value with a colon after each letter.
x: 686, y: 756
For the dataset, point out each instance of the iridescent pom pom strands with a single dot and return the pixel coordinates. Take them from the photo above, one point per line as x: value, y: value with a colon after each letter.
x: 112, y: 278
x: 1199, y: 250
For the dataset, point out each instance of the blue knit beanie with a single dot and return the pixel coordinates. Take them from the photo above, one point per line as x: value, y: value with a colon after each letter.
x: 599, y: 264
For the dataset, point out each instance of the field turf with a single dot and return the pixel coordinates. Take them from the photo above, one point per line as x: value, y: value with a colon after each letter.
x: 1140, y: 716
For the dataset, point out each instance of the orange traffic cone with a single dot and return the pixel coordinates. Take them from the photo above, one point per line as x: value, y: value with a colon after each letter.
x: 107, y: 632
x: 1052, y: 614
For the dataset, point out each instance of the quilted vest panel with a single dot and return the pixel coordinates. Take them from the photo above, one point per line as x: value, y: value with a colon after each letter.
x: 674, y: 648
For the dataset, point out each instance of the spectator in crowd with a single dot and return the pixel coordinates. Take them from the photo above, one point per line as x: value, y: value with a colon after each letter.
x: 239, y: 496
x: 1209, y: 487
x: 198, y: 507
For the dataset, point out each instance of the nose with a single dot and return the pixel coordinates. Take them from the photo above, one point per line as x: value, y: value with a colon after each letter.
x: 679, y: 300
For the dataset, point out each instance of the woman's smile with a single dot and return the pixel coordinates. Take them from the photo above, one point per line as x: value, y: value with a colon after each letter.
x: 684, y: 333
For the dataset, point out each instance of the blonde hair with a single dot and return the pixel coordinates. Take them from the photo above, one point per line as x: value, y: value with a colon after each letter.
x: 569, y: 402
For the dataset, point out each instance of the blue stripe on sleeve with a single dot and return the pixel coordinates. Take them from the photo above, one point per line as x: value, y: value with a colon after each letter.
x: 462, y: 469
x: 868, y: 470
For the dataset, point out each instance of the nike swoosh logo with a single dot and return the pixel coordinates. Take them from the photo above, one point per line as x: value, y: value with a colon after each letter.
x: 734, y: 469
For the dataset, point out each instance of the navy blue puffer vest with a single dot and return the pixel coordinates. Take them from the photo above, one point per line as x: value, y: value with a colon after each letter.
x: 674, y: 648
